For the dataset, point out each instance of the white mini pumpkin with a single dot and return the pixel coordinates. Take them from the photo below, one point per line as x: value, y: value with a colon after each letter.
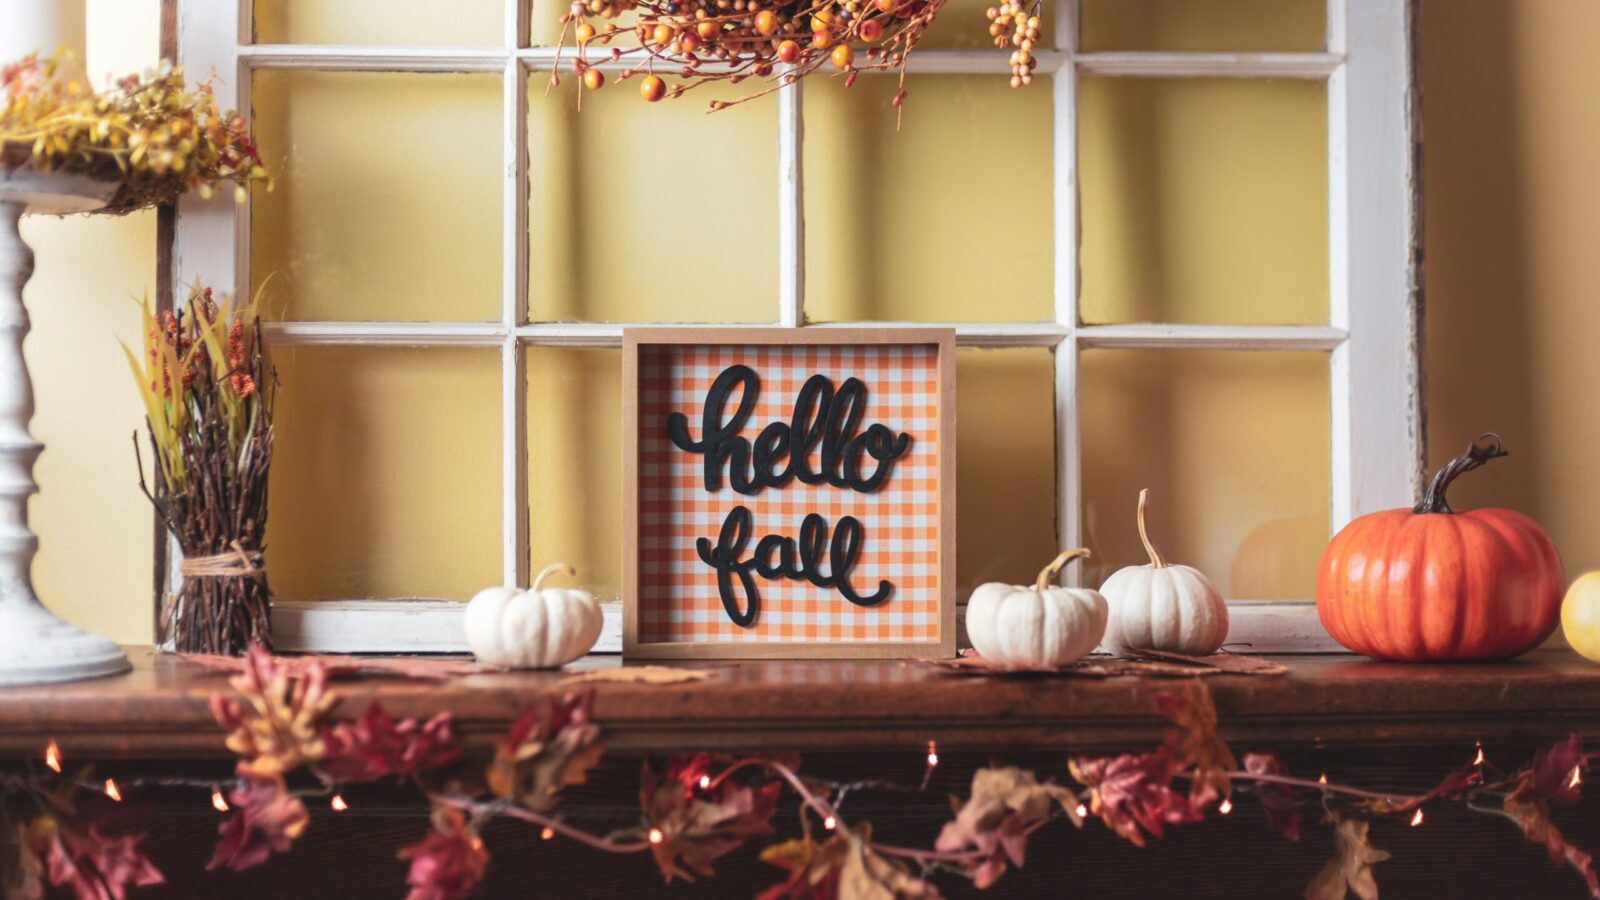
x: 1161, y: 606
x: 1038, y: 626
x: 540, y: 628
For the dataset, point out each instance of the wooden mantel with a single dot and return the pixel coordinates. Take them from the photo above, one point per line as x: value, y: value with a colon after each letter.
x: 161, y: 709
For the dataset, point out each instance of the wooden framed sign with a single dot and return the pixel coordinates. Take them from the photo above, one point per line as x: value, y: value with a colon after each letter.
x: 790, y: 492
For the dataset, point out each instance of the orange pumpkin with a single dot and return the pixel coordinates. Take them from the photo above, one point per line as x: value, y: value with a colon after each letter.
x: 1433, y: 584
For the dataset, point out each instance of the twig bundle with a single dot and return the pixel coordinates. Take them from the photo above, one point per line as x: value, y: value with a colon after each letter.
x: 208, y: 392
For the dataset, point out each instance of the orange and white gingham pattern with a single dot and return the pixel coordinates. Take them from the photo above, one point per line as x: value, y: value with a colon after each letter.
x: 678, y: 599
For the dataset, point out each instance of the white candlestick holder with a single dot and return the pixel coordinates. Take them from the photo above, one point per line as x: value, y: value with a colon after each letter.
x: 36, y: 647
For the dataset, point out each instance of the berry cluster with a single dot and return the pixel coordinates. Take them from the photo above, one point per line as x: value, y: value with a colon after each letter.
x: 777, y: 41
x: 1010, y: 24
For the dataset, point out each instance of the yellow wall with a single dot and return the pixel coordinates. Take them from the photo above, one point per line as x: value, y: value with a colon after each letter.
x: 1510, y: 96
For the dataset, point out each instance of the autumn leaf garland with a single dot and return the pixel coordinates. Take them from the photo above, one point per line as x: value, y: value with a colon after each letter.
x: 696, y: 809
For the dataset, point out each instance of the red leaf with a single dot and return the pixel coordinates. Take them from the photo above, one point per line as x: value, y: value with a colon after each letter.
x: 1004, y: 807
x: 1283, y: 811
x: 266, y: 820
x: 541, y: 755
x: 1550, y: 777
x: 449, y: 862
x: 376, y: 746
x: 1134, y: 791
x: 97, y: 866
x: 698, y: 827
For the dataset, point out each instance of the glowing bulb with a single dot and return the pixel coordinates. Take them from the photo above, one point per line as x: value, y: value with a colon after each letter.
x: 1576, y: 778
x: 1323, y: 778
x: 338, y: 803
x: 217, y: 803
x: 1225, y: 807
x: 1082, y: 810
x: 656, y: 836
x: 933, y: 754
x: 1479, y: 760
x: 112, y: 792
x: 547, y: 834
x: 705, y: 782
x: 52, y: 757
x: 1417, y: 819
x: 830, y: 823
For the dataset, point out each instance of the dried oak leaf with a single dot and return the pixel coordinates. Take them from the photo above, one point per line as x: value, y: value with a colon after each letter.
x: 638, y: 675
x: 1005, y: 806
x: 351, y: 666
x: 376, y: 746
x: 1350, y: 869
x: 699, y: 826
x: 1552, y: 777
x: 1283, y: 810
x: 266, y: 819
x: 540, y: 755
x: 1133, y: 792
x: 274, y: 723
x: 449, y: 862
x: 96, y: 866
x: 845, y: 867
x: 1195, y: 743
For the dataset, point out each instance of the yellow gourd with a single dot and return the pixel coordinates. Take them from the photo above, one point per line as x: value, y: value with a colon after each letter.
x: 1580, y: 615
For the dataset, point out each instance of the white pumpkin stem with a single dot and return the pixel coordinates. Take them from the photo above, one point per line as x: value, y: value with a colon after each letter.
x: 1156, y: 560
x: 1060, y: 562
x: 547, y: 571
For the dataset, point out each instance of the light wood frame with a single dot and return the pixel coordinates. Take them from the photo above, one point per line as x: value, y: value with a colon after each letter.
x: 943, y: 339
x: 1371, y: 337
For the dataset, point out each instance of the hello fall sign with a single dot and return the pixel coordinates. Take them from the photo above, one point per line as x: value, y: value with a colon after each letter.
x: 790, y: 492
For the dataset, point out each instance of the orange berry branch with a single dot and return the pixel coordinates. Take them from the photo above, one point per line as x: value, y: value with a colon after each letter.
x: 696, y: 42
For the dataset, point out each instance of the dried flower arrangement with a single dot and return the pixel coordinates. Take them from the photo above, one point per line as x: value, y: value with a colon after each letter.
x: 208, y: 393
x: 702, y: 41
x: 153, y: 135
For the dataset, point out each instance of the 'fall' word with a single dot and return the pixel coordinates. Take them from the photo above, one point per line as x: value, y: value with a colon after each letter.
x: 812, y: 546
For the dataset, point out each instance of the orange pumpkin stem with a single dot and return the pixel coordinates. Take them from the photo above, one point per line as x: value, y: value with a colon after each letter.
x: 547, y: 571
x: 1156, y: 560
x: 1060, y: 562
x: 1433, y: 501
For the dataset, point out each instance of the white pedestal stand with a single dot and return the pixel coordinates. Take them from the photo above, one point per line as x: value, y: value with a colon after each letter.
x: 35, y: 646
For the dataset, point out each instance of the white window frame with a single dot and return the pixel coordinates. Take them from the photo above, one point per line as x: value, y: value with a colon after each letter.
x: 1370, y: 338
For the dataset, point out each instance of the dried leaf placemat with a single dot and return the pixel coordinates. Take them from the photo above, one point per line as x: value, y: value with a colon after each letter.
x: 349, y: 666
x: 639, y: 675
x: 1154, y: 663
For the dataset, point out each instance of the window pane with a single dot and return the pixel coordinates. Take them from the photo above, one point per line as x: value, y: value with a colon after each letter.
x: 366, y: 221
x: 575, y: 464
x: 386, y: 480
x: 1234, y: 449
x: 1204, y: 200
x: 644, y: 212
x: 946, y: 219
x: 384, y: 22
x: 1005, y: 462
x: 962, y: 25
x: 1202, y: 25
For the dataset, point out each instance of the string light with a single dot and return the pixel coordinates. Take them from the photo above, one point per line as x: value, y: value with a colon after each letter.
x: 656, y: 836
x: 1323, y: 778
x: 52, y: 757
x: 338, y: 803
x: 1576, y: 778
x: 1479, y: 760
x: 1225, y: 807
x: 1417, y: 819
x: 830, y: 823
x: 705, y: 782
x: 933, y: 754
x: 547, y: 833
x: 217, y: 803
x: 1081, y: 810
x: 112, y: 792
